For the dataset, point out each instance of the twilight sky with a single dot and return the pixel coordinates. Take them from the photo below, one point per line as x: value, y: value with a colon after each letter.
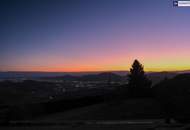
x: 93, y: 35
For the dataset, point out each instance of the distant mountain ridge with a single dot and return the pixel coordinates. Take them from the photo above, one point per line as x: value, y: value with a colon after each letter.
x: 109, y: 76
x: 106, y: 76
x: 85, y: 76
x: 19, y: 75
x: 156, y: 77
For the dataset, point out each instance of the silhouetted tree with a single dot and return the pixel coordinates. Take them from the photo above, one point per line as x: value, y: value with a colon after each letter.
x: 139, y: 84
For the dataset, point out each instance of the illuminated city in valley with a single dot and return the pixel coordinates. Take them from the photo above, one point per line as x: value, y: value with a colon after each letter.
x: 98, y: 35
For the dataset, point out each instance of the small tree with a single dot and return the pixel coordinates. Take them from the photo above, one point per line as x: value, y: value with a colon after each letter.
x: 138, y: 83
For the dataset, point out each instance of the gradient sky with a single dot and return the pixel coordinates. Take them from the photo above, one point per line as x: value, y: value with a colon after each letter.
x: 93, y: 35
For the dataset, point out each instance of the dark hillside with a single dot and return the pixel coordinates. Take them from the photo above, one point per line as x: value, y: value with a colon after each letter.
x: 174, y: 94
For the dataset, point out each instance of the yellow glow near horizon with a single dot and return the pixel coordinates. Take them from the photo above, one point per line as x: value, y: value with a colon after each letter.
x: 147, y: 67
x: 115, y: 62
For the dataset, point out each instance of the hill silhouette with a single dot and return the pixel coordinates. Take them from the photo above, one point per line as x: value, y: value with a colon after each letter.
x: 105, y: 76
x: 156, y: 77
x: 174, y: 94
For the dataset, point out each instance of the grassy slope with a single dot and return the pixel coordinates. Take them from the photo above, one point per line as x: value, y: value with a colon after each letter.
x: 122, y: 110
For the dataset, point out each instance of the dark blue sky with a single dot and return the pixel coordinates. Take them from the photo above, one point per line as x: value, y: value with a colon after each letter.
x: 82, y: 35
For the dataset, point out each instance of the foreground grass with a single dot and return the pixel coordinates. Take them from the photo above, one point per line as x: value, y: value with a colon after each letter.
x: 146, y: 108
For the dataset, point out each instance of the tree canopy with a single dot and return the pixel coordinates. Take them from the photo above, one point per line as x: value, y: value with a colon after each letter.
x: 137, y: 80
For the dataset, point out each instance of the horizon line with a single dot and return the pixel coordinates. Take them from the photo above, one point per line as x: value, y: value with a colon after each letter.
x: 93, y: 71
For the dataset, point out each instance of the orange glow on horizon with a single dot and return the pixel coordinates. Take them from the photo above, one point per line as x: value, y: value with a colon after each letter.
x: 97, y: 69
x: 159, y: 60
